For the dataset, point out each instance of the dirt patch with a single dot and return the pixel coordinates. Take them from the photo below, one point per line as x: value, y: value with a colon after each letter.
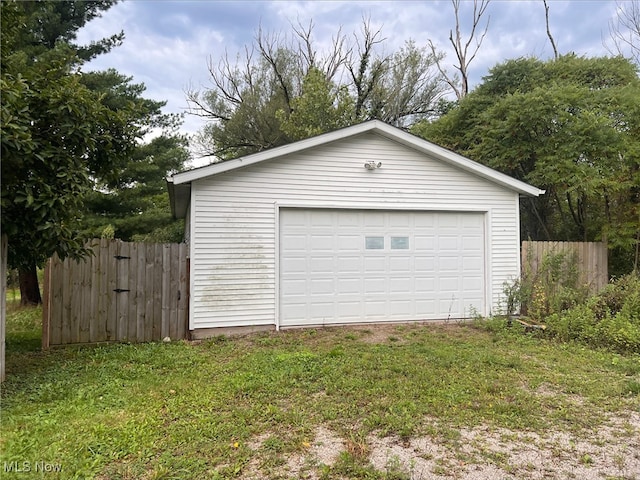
x: 480, y: 453
x: 484, y: 453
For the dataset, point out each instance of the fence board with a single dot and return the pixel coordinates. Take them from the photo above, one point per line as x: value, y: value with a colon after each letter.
x: 591, y: 259
x: 157, y: 292
x: 104, y: 299
x: 4, y: 242
x: 94, y: 286
x: 174, y: 290
x: 84, y: 320
x: 65, y: 330
x: 82, y: 306
x: 132, y: 295
x: 166, y: 288
x: 112, y: 297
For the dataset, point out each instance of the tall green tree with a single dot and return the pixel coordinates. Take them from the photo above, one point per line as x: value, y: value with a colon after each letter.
x: 56, y: 132
x: 320, y: 107
x: 569, y: 125
x: 132, y: 199
x: 261, y: 100
x: 135, y: 205
x: 64, y: 132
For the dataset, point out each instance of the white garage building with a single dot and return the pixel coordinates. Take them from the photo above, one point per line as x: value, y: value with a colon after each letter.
x: 364, y: 224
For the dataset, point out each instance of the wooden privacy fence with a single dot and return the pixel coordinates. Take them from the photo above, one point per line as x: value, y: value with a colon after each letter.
x: 590, y: 260
x: 124, y: 292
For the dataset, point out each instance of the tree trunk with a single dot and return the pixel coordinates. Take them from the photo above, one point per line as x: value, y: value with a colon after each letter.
x: 29, y: 289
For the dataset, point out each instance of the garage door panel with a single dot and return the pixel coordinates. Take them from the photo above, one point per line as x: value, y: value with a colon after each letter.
x: 401, y: 285
x: 349, y: 243
x: 448, y: 264
x: 377, y: 264
x: 294, y: 287
x: 448, y: 242
x: 296, y: 242
x: 348, y: 218
x: 400, y: 219
x: 448, y: 221
x: 375, y: 308
x: 322, y: 310
x: 321, y: 243
x: 425, y: 285
x: 340, y: 266
x: 375, y: 285
x: 472, y: 242
x: 400, y: 264
x: 351, y: 286
x: 349, y: 264
x: 473, y: 265
x: 401, y: 308
x: 425, y: 308
x: 424, y: 242
x: 373, y: 219
x: 322, y: 286
x: 424, y: 221
x: 294, y: 313
x: 350, y: 308
x: 320, y: 264
x: 294, y: 264
x: 424, y: 264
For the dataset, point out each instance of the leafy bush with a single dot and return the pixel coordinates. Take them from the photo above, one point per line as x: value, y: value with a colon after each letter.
x: 610, y: 319
x: 552, y: 287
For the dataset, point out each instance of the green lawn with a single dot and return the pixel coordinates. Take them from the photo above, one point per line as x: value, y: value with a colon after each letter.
x: 220, y: 408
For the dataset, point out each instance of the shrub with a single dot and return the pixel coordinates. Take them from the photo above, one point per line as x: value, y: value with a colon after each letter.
x: 552, y: 287
x: 610, y: 319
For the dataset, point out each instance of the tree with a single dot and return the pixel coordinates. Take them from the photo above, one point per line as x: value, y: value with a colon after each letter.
x: 465, y: 53
x: 46, y: 23
x: 570, y: 126
x: 252, y: 104
x: 135, y: 205
x: 57, y: 134
x: 320, y: 107
x: 132, y: 198
x: 624, y: 31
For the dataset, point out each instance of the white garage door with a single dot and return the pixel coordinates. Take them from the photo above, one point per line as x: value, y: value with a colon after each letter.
x: 345, y: 266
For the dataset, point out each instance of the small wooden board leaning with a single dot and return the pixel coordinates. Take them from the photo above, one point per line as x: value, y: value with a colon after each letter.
x: 530, y: 326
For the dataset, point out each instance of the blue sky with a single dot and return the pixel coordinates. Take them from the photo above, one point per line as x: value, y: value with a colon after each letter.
x: 168, y: 43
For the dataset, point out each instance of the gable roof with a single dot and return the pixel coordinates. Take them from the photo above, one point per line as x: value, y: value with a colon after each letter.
x: 179, y: 183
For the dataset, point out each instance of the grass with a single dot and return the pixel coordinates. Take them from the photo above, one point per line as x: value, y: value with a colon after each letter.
x: 190, y: 411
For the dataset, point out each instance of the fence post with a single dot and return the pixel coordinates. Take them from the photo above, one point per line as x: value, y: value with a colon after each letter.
x: 46, y: 306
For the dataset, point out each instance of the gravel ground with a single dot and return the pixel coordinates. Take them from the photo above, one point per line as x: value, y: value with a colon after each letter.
x: 612, y: 452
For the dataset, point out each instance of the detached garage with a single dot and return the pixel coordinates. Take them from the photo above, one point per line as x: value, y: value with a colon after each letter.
x: 364, y: 224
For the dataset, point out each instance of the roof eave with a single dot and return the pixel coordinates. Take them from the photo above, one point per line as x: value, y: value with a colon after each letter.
x: 179, y: 198
x: 376, y: 126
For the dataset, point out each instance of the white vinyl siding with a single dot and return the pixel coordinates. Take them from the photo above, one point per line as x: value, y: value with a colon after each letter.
x: 234, y: 219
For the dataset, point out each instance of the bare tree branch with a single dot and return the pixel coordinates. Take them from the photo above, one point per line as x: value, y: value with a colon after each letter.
x: 452, y: 81
x: 268, y: 47
x: 338, y: 57
x: 553, y: 43
x: 364, y: 72
x: 624, y: 32
x: 465, y: 51
x: 305, y: 47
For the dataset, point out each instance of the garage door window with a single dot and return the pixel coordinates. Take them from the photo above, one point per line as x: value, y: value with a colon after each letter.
x: 399, y: 243
x: 374, y: 243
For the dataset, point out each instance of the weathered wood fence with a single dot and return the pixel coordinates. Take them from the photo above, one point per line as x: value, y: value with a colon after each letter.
x: 590, y: 259
x: 3, y: 313
x: 124, y: 292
